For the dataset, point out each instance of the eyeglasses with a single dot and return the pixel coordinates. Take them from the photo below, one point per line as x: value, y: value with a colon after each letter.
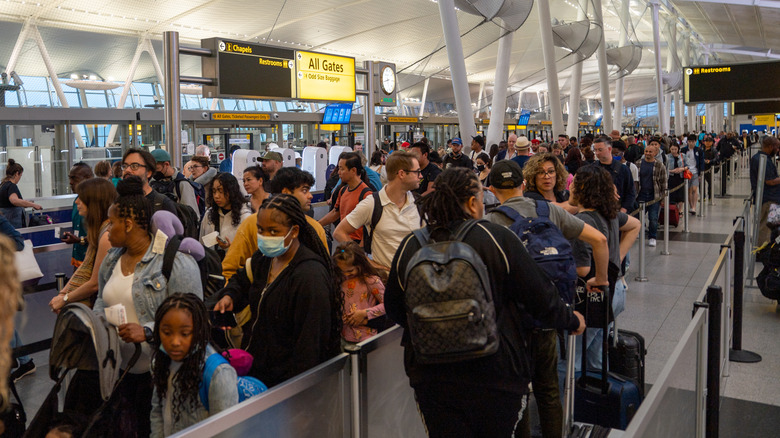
x: 707, y: 139
x: 195, y: 166
x: 418, y: 171
x: 133, y: 166
x: 550, y: 173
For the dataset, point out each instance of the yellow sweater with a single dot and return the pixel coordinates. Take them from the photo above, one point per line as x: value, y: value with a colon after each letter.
x: 245, y: 244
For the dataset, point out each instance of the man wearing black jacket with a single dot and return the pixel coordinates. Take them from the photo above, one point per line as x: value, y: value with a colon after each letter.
x: 621, y: 175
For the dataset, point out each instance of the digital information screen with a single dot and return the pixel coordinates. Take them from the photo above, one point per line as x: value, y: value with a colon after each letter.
x: 337, y: 114
x: 525, y: 117
x: 731, y: 82
x: 762, y: 107
x: 254, y: 71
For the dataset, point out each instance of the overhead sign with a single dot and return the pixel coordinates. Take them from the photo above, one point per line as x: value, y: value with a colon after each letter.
x: 402, y: 119
x: 583, y: 123
x: 762, y: 107
x: 546, y: 122
x: 731, y: 82
x: 525, y: 117
x: 254, y: 71
x: 485, y: 121
x: 330, y: 127
x: 239, y: 116
x: 337, y: 113
x: 325, y: 77
x: 764, y: 120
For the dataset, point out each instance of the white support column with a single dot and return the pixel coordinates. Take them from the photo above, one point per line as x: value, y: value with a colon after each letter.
x: 33, y: 33
x: 479, y: 99
x: 658, y: 72
x: 668, y: 112
x: 17, y: 50
x: 149, y: 47
x: 679, y: 114
x: 143, y: 45
x: 498, y: 108
x: 606, y: 100
x: 422, y: 101
x: 625, y: 19
x: 460, y: 85
x: 551, y: 70
x: 576, y: 83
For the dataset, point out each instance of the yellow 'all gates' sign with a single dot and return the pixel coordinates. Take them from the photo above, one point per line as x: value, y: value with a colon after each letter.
x: 325, y: 77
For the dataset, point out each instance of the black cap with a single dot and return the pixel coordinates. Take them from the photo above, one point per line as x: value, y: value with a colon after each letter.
x: 479, y: 139
x: 506, y: 174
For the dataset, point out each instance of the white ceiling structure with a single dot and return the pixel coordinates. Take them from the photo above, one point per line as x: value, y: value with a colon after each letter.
x: 101, y: 36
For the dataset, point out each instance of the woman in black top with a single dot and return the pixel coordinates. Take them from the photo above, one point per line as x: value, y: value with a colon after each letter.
x: 295, y: 299
x: 482, y: 396
x: 11, y: 203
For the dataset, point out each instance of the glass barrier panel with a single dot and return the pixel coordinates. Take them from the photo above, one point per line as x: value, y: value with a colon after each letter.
x: 670, y: 408
x: 392, y: 410
x: 320, y: 409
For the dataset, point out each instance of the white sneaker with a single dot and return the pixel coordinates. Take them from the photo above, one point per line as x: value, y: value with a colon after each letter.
x: 651, y: 242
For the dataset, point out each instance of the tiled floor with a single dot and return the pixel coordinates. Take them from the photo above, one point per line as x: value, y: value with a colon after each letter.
x: 659, y: 309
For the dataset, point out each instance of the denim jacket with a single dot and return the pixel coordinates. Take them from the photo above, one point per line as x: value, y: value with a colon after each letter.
x: 223, y: 393
x: 149, y: 285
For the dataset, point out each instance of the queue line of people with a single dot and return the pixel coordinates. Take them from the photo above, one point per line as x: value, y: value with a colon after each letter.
x: 305, y: 301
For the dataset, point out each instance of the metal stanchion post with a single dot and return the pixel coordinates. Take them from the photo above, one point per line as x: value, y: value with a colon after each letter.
x: 60, y: 278
x: 737, y: 354
x: 665, y: 251
x: 711, y: 185
x: 686, y: 207
x: 642, y: 220
x: 714, y: 300
x: 724, y: 177
x: 356, y: 384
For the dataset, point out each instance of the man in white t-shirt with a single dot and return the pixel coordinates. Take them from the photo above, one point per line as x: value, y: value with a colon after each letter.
x: 399, y: 212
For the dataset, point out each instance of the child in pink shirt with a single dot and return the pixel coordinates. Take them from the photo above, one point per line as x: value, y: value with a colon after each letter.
x: 363, y: 292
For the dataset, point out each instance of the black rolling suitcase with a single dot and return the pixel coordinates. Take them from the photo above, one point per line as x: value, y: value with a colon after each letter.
x: 604, y: 398
x: 570, y: 428
x: 627, y: 356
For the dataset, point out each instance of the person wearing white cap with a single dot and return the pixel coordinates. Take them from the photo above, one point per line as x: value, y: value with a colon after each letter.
x: 522, y: 150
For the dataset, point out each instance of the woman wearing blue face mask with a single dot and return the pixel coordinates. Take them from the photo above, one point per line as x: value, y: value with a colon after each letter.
x: 295, y: 299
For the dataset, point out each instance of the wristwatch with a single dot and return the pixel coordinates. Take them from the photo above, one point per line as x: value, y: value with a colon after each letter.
x: 149, y: 335
x: 65, y: 298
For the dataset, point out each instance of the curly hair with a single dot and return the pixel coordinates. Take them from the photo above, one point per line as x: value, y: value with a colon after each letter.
x: 186, y: 381
x: 97, y: 194
x: 232, y: 192
x: 454, y: 187
x: 132, y: 203
x: 11, y: 299
x: 533, y: 168
x: 593, y: 188
x: 289, y: 206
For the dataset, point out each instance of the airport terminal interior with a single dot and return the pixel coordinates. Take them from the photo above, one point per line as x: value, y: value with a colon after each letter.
x: 86, y: 81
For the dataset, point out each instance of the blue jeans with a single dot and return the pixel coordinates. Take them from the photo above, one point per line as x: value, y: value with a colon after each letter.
x: 16, y: 341
x: 14, y: 215
x: 652, y: 215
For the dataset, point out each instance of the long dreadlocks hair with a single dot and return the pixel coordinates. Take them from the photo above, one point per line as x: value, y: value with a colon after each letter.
x: 454, y: 187
x: 231, y: 190
x: 132, y: 203
x: 186, y: 381
x: 289, y: 206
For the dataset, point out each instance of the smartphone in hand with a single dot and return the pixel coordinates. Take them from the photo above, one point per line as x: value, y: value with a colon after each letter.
x: 227, y: 319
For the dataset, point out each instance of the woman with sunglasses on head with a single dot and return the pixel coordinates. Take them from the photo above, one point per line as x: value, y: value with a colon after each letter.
x: 545, y: 180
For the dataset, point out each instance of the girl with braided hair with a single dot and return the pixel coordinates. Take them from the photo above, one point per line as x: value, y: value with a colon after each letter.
x: 294, y: 297
x: 182, y: 329
x: 484, y: 396
x: 131, y: 275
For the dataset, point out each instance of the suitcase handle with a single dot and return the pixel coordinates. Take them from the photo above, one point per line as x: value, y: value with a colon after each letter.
x: 604, y: 347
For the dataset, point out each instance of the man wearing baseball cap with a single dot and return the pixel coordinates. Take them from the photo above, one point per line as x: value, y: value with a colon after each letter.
x: 272, y: 162
x: 506, y: 179
x: 166, y: 179
x: 522, y: 151
x: 456, y: 158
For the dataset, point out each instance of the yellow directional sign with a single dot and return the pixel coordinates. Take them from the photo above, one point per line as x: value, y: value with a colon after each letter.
x: 325, y: 77
x: 238, y: 116
x: 402, y: 119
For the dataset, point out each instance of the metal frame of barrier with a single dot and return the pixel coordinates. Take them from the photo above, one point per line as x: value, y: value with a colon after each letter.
x: 389, y: 408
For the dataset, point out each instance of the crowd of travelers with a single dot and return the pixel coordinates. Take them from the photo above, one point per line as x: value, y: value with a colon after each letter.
x: 301, y: 290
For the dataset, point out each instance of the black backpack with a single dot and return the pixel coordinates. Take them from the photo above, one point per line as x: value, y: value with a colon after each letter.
x: 449, y: 302
x: 170, y: 188
x: 210, y: 267
x: 547, y: 246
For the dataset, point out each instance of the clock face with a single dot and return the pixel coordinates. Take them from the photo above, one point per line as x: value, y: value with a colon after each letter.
x: 388, y: 80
